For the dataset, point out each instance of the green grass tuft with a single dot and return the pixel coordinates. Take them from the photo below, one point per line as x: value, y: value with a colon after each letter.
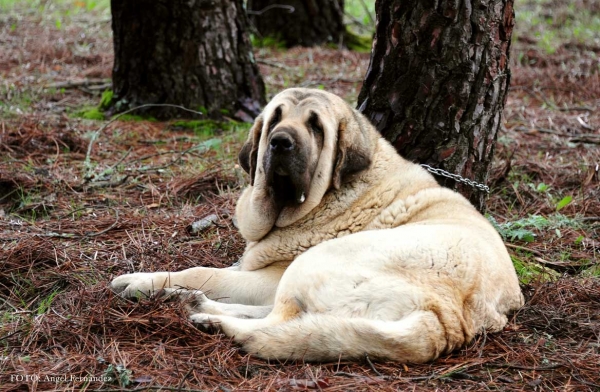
x: 134, y: 117
x: 525, y: 229
x: 267, y: 42
x: 529, y: 272
x: 106, y: 100
x: 90, y: 113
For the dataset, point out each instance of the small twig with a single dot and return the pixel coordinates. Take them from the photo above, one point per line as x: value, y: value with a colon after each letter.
x: 372, y: 366
x: 564, y: 264
x: 521, y: 367
x: 97, y: 87
x: 9, y: 193
x: 290, y: 9
x: 184, y: 378
x: 589, y: 219
x: 345, y: 80
x: 433, y: 376
x: 273, y: 64
x: 518, y: 247
x: 539, y: 129
x: 89, y: 235
x: 584, y: 124
x: 112, y: 168
x: 78, y: 83
x: 577, y: 109
x: 586, y: 138
x: 484, y: 333
x: 9, y: 304
x: 346, y: 374
x: 519, y: 197
x: 104, y: 184
x: 11, y: 334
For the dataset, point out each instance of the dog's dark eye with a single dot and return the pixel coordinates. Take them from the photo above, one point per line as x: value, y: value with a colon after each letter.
x: 314, y: 123
x: 275, y: 119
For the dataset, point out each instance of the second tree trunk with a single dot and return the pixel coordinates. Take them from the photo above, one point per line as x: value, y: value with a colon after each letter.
x: 312, y: 22
x: 437, y: 82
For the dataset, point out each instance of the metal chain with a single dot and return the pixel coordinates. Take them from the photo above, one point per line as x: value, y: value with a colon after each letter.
x: 456, y: 177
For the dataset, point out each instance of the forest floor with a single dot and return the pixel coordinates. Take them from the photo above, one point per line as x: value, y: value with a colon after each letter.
x: 84, y: 200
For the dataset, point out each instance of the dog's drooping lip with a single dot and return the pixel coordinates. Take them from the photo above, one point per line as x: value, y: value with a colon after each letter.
x: 289, y: 190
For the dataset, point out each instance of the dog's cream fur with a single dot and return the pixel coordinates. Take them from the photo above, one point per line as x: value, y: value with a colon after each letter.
x: 378, y: 260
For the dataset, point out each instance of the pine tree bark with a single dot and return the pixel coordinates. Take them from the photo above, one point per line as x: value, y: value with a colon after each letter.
x: 313, y: 22
x: 194, y: 53
x: 437, y: 82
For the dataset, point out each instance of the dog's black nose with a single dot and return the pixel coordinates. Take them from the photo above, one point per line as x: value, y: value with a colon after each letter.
x: 281, y: 142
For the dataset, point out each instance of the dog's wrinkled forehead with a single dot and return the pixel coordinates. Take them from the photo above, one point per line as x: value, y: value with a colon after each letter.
x: 299, y: 104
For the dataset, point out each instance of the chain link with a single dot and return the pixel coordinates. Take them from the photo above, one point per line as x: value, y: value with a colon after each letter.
x: 458, y: 178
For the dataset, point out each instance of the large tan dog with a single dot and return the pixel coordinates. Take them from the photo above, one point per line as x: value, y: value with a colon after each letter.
x: 352, y: 250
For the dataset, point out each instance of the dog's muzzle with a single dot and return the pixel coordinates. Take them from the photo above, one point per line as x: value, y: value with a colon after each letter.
x: 281, y: 146
x: 286, y: 166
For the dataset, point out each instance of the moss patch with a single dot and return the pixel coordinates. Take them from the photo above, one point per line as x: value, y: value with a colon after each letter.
x: 205, y: 128
x: 90, y: 113
x: 357, y: 43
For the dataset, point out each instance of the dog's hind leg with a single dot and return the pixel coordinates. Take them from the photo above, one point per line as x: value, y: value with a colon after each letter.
x: 418, y: 337
x: 196, y: 302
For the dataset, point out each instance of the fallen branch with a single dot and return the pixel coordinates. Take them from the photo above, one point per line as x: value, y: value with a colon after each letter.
x: 577, y: 109
x: 274, y: 64
x: 586, y: 138
x: 95, y: 88
x: 521, y: 367
x: 518, y: 247
x: 79, y: 83
x: 373, y: 366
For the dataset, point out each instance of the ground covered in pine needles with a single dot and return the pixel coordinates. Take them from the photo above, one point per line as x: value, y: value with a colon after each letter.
x: 82, y: 201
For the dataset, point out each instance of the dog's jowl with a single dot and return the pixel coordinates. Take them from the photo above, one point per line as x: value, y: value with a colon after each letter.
x: 351, y: 249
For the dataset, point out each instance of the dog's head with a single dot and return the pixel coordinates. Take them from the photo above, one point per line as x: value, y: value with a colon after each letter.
x: 304, y: 143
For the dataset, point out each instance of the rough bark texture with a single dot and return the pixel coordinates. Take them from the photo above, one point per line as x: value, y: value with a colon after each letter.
x: 194, y: 53
x: 437, y: 82
x: 313, y: 22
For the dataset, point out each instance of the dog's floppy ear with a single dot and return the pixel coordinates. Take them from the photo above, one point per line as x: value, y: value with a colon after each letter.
x: 355, y: 147
x: 248, y: 155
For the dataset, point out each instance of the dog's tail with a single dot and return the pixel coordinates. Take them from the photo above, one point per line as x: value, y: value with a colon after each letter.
x: 418, y: 337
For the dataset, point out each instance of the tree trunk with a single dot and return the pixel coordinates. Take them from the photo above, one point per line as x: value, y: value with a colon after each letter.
x: 313, y: 22
x: 437, y: 82
x: 194, y: 53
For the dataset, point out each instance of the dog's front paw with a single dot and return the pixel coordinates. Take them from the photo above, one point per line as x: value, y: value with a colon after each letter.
x: 140, y: 283
x: 206, y: 322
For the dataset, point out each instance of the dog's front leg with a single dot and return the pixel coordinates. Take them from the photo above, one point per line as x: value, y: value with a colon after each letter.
x: 228, y: 285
